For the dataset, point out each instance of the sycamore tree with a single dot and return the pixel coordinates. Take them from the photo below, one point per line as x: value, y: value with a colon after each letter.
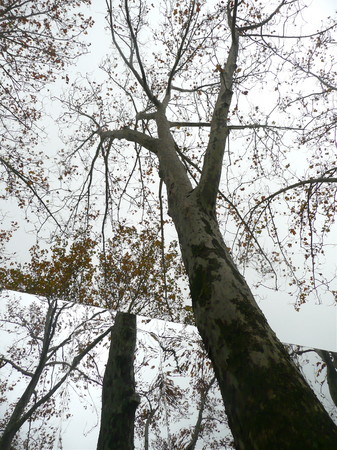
x: 229, y: 105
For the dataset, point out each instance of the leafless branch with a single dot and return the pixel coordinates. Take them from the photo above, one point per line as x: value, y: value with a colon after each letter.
x: 16, y: 366
x: 31, y: 187
x: 266, y: 20
x: 294, y: 186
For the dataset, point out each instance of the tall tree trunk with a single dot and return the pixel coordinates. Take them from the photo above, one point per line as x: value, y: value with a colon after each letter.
x: 268, y: 403
x: 119, y: 398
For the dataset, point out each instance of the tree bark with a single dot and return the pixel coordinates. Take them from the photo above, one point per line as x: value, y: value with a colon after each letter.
x: 119, y: 398
x: 268, y: 403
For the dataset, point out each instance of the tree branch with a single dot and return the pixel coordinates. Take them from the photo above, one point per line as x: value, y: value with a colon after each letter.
x: 132, y: 136
x: 180, y: 50
x: 197, y: 427
x: 77, y: 359
x: 30, y: 186
x: 198, y: 88
x: 212, y: 167
x: 263, y: 22
x: 141, y: 78
x: 293, y: 186
x: 282, y: 36
x: 18, y: 368
x: 233, y: 127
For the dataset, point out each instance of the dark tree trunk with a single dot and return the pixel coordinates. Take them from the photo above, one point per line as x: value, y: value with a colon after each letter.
x: 119, y: 398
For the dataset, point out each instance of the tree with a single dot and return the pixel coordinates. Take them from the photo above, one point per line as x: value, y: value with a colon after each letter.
x: 119, y: 398
x: 327, y: 366
x: 171, y: 392
x: 50, y: 332
x: 267, y: 401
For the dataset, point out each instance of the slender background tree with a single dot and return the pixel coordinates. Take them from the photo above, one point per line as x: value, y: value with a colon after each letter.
x: 128, y: 275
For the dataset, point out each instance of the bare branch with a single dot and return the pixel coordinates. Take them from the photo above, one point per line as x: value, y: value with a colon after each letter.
x: 77, y: 359
x: 132, y: 136
x: 198, y: 88
x: 18, y: 368
x: 202, y: 405
x: 211, y: 172
x: 283, y: 36
x: 265, y: 21
x: 30, y: 186
x: 181, y: 49
x: 294, y: 186
x: 141, y: 78
x: 253, y: 126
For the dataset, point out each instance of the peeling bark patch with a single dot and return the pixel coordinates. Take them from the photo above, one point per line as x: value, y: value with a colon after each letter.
x: 237, y: 335
x: 200, y: 251
x: 269, y: 400
x: 250, y: 310
x: 205, y: 274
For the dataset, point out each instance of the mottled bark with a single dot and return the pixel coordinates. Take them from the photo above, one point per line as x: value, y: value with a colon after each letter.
x: 268, y: 403
x: 119, y: 398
